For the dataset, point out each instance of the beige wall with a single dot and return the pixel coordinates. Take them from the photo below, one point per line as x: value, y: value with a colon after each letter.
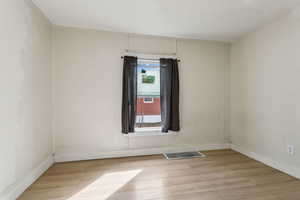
x: 265, y: 92
x: 25, y: 103
x: 256, y: 101
x: 88, y: 80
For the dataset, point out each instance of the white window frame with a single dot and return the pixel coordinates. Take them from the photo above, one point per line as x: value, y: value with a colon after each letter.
x: 155, y: 131
x: 152, y: 100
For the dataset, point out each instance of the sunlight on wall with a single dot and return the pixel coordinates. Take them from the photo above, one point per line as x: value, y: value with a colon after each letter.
x: 105, y: 185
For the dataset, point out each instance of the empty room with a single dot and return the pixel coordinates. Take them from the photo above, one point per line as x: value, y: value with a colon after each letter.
x: 150, y: 100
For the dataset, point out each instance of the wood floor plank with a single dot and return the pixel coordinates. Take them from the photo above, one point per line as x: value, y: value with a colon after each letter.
x: 221, y: 175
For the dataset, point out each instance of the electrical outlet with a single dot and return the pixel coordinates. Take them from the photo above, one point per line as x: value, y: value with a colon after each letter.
x: 291, y: 149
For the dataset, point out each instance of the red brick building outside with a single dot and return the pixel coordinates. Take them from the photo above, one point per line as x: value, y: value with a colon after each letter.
x: 148, y: 108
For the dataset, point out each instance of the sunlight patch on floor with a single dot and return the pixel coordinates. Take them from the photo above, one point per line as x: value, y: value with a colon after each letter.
x: 105, y: 186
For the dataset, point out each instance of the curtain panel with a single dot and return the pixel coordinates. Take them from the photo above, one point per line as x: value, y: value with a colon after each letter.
x: 169, y: 90
x: 129, y: 94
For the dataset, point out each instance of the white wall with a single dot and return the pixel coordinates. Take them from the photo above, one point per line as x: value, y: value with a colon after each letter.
x: 265, y: 93
x: 86, y: 85
x: 88, y: 81
x: 25, y: 102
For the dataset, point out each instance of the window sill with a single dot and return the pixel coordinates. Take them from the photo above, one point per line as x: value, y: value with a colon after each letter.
x: 148, y: 132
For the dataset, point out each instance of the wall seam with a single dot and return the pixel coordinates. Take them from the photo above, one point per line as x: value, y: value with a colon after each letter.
x: 53, y: 91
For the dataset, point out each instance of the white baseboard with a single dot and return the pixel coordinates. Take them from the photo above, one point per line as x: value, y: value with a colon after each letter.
x: 137, y: 152
x: 288, y: 169
x: 20, y: 186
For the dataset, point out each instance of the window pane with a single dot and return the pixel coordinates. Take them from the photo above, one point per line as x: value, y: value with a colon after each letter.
x: 148, y: 95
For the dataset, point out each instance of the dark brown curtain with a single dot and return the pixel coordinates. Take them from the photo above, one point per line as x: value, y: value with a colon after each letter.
x: 169, y: 91
x: 129, y: 94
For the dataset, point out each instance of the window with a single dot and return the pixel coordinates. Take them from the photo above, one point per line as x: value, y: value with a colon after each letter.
x: 148, y: 94
x: 148, y: 100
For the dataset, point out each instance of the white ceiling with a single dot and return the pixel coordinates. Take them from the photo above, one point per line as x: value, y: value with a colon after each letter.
x: 224, y: 20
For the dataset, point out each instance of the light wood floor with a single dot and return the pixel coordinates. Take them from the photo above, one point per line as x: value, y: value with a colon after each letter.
x: 222, y: 175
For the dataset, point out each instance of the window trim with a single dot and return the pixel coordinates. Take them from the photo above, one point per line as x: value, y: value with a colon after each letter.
x: 152, y: 100
x: 148, y: 132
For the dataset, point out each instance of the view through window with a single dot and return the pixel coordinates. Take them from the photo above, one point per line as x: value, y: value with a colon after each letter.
x: 148, y: 94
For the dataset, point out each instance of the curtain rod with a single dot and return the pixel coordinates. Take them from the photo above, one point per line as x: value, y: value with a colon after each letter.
x: 122, y: 57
